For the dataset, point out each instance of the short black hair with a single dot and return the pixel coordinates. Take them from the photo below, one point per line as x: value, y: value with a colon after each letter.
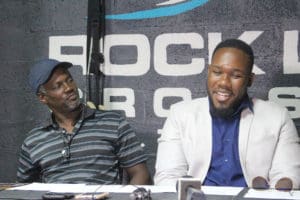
x: 238, y: 44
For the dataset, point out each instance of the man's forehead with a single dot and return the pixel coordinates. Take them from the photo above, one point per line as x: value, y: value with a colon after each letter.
x: 229, y: 55
x: 227, y: 66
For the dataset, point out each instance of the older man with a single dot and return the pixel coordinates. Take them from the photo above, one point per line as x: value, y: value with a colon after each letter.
x: 77, y: 144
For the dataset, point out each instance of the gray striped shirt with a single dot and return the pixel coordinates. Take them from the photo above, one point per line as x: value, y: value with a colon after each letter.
x: 101, y: 143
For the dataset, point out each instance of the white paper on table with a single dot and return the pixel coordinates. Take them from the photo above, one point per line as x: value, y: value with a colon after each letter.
x: 109, y: 188
x: 272, y: 194
x: 53, y: 187
x: 83, y: 188
x: 218, y: 190
x: 160, y: 189
x: 130, y: 188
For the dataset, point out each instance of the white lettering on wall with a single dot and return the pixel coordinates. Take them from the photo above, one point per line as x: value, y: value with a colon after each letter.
x: 162, y: 93
x: 127, y: 105
x: 142, y: 64
x: 57, y: 42
x: 293, y: 101
x: 213, y: 40
x: 290, y: 53
x: 291, y: 65
x: 161, y: 65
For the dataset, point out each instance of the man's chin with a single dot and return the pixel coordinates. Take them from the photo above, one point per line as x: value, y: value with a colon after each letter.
x: 222, y: 112
x: 74, y: 107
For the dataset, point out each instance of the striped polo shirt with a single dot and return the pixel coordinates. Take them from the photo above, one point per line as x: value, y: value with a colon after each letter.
x: 101, y: 143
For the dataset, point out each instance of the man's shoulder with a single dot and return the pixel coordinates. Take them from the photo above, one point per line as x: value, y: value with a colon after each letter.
x: 109, y: 114
x: 193, y: 104
x: 102, y: 116
x: 266, y: 109
x: 103, y: 112
x: 266, y: 105
x: 35, y: 134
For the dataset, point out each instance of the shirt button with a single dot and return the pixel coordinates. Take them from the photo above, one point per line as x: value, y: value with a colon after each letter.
x: 226, y: 160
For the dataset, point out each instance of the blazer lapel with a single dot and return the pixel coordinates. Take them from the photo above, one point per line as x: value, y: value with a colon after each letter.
x: 244, y: 133
x: 203, y: 140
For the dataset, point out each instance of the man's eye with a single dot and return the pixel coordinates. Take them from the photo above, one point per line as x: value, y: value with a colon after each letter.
x: 217, y: 72
x: 237, y: 76
x: 55, y: 87
x: 70, y: 80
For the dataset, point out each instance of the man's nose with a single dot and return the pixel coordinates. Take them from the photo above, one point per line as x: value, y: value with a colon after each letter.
x: 67, y: 86
x: 225, y: 80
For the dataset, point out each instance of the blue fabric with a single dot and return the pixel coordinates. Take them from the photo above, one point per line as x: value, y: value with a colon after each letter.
x: 225, y: 168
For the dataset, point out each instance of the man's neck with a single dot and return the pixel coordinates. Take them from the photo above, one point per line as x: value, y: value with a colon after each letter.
x: 68, y: 120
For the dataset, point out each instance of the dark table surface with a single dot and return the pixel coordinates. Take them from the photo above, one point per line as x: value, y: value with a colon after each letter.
x: 37, y: 195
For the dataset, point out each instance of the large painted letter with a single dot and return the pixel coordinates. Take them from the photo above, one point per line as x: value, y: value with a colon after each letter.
x: 127, y: 105
x: 290, y: 53
x: 142, y: 64
x: 162, y: 93
x: 293, y: 101
x: 56, y: 43
x: 160, y: 54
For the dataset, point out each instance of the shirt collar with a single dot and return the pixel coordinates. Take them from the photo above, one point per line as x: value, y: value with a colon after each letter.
x: 246, y: 103
x: 85, y: 113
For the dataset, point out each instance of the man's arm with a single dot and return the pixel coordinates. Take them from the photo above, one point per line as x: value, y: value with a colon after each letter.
x: 27, y: 172
x: 285, y: 171
x: 131, y: 155
x: 138, y: 174
x: 171, y: 162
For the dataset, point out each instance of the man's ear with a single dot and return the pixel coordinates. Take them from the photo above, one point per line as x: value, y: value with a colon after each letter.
x: 251, y: 78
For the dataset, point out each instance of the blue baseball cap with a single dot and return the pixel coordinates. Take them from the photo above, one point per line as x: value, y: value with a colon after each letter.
x: 42, y: 70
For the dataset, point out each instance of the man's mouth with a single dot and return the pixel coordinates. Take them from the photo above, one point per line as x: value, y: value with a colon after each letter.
x: 72, y: 96
x: 222, y: 96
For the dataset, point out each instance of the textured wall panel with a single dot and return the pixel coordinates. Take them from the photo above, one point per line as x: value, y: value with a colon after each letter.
x: 26, y: 26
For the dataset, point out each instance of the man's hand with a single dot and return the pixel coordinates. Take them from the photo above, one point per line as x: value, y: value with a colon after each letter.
x: 260, y: 183
x: 284, y: 184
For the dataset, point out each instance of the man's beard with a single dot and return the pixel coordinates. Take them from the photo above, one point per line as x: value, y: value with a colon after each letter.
x: 73, y: 107
x: 222, y: 112
x: 228, y: 112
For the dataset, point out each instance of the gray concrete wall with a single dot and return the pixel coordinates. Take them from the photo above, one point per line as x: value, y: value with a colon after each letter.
x: 24, y: 38
x: 156, y: 74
